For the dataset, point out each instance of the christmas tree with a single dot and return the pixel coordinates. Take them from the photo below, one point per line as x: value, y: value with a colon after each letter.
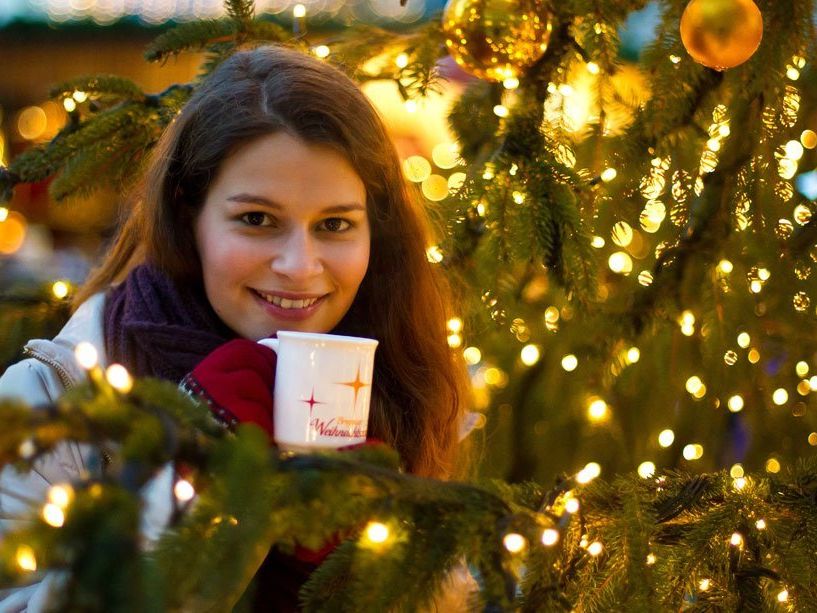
x: 633, y: 243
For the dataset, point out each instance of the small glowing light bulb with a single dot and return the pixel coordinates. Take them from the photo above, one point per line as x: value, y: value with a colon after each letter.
x: 666, y: 437
x: 801, y: 368
x: 595, y: 548
x: 588, y: 473
x: 725, y: 266
x: 783, y: 595
x: 593, y: 68
x: 650, y: 559
x: 744, y: 340
x: 184, y: 490
x: 60, y: 495
x: 570, y: 362
x: 760, y: 524
x: 299, y: 11
x: 608, y: 174
x: 550, y: 537
x: 735, y: 403
x: 60, y: 289
x: 53, y: 515
x: 410, y: 106
x: 739, y: 483
x: 780, y: 396
x: 377, y: 532
x: 646, y: 470
x: 514, y: 542
x: 597, y: 409
x: 633, y: 355
x: 530, y: 354
x: 402, y: 60
x: 322, y: 51
x: 86, y: 355
x: 69, y: 104
x: 704, y: 584
x: 510, y: 83
x: 736, y: 540
x: 736, y: 471
x: 119, y: 378
x: 501, y: 110
x: 472, y: 355
x: 25, y: 558
x: 572, y: 505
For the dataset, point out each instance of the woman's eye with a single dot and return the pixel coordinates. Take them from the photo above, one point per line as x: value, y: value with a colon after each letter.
x: 256, y: 219
x: 335, y: 224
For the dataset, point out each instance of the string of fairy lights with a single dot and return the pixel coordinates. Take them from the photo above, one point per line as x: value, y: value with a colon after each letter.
x: 382, y: 532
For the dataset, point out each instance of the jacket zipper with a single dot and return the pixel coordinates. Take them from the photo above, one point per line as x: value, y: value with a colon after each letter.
x: 67, y: 383
x: 65, y: 378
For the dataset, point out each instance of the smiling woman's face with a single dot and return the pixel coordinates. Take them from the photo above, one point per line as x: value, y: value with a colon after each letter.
x: 283, y: 237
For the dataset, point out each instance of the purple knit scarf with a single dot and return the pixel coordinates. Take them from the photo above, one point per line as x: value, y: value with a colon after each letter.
x: 156, y: 328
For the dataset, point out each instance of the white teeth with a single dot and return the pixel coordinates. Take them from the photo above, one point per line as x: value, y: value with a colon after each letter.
x: 286, y: 303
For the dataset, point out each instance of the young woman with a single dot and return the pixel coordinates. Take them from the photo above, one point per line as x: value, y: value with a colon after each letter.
x: 274, y: 201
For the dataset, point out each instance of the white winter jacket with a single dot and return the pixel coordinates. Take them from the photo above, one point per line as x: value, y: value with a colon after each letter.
x: 47, y: 372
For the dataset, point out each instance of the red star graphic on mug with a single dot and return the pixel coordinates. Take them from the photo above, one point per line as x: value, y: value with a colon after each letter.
x: 357, y: 384
x: 312, y: 402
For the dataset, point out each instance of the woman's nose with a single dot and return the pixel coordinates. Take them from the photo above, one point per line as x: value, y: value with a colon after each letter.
x: 298, y: 258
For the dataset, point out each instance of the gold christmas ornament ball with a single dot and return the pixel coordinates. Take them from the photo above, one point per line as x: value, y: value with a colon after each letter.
x: 721, y: 34
x: 496, y: 39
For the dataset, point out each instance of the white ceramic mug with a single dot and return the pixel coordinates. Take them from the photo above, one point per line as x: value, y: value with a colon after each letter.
x: 323, y: 385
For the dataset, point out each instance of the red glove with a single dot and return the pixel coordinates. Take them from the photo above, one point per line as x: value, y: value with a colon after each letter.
x: 237, y: 381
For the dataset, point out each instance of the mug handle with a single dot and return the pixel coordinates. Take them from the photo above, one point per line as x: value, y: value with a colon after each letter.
x: 272, y: 343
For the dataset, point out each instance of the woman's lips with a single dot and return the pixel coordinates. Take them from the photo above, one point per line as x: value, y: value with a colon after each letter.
x: 289, y: 314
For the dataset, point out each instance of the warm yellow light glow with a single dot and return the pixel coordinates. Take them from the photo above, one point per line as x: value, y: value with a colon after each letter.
x: 597, y: 410
x: 595, y: 548
x: 753, y: 356
x: 598, y: 242
x: 633, y: 355
x: 801, y: 368
x: 454, y: 324
x: 755, y: 286
x: 530, y: 354
x: 53, y: 515
x: 809, y: 139
x: 622, y: 234
x: 518, y: 197
x: 588, y: 473
x: 760, y: 524
x: 739, y: 483
x: 736, y: 471
x: 620, y: 262
x: 812, y: 439
x: 69, y: 104
x: 514, y: 542
x: 25, y: 558
x: 608, y: 174
x: 772, y: 466
x: 693, y: 384
x: 501, y: 110
x: 551, y: 314
x: 666, y: 437
x: 322, y: 51
x: 646, y: 470
x: 675, y: 59
x: 724, y: 130
x: 435, y: 187
x: 713, y: 144
x: 735, y: 403
x: 736, y: 540
x: 744, y: 340
x: 377, y: 532
x: 794, y: 150
x: 650, y: 559
x: 510, y: 83
x: 119, y: 378
x: 550, y: 537
x: 472, y: 355
x: 792, y: 73
x: 410, y: 106
x: 416, y: 168
x: 704, y: 584
x: 812, y: 382
x: 60, y: 289
x: 402, y: 60
x: 570, y: 362
x: 80, y: 96
x: 572, y: 505
x: 32, y: 122
x: 446, y: 155
x: 693, y: 451
x: 783, y: 596
x: 780, y: 396
x: 455, y: 181
x: 804, y: 387
x: 725, y: 266
x: 184, y: 490
x: 592, y: 68
x: 764, y: 274
x: 4, y: 214
x: 60, y: 495
x: 434, y: 254
x: 299, y: 11
x: 86, y: 355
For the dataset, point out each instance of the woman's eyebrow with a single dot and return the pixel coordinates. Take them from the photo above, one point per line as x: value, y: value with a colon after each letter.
x: 245, y: 198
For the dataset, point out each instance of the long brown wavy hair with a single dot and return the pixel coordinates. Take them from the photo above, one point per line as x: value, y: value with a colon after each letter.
x: 419, y: 388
